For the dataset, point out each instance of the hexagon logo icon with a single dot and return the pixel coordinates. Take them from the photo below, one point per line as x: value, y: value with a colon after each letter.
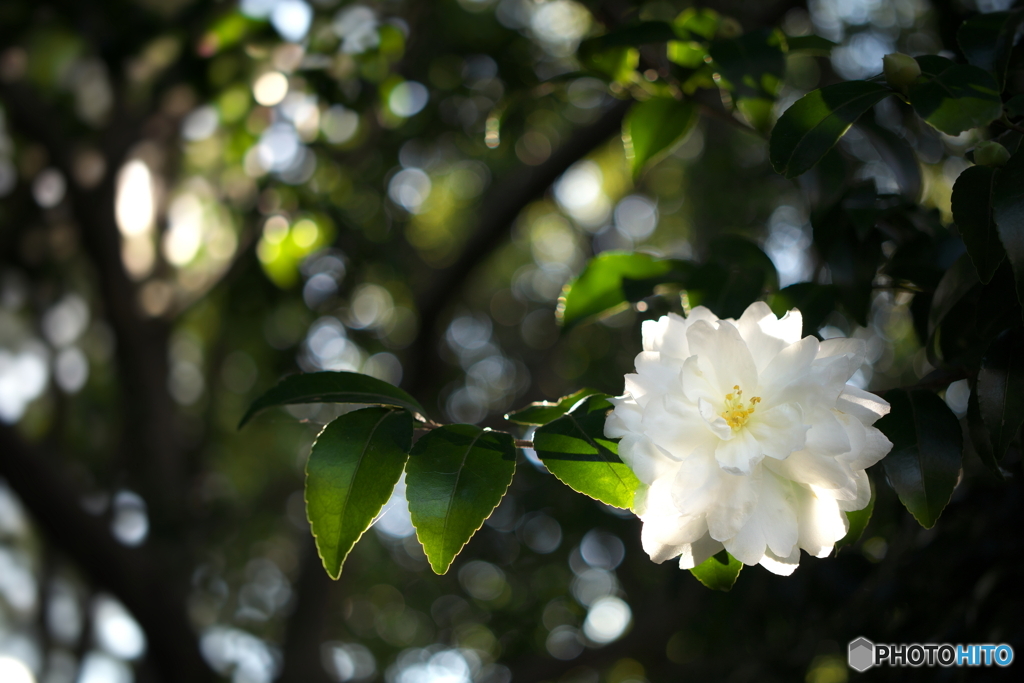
x: 861, y: 656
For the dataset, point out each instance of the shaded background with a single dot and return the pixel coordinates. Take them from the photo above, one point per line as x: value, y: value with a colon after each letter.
x: 198, y: 197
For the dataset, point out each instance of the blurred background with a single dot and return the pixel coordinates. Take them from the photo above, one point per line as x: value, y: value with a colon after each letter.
x: 198, y: 197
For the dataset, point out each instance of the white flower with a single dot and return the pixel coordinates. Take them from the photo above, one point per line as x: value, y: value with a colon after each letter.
x: 747, y: 437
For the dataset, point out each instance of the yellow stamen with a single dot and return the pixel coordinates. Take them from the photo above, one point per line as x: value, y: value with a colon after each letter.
x: 735, y: 414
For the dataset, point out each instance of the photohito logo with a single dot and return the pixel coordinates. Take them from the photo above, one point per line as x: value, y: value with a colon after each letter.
x: 863, y: 654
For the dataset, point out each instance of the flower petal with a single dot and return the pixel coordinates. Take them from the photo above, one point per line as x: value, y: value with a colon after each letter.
x: 779, y: 430
x: 740, y: 454
x: 783, y: 566
x: 713, y: 421
x: 748, y: 545
x: 695, y: 553
x: 723, y: 355
x: 753, y: 326
x: 822, y: 523
x: 733, y: 502
x: 789, y: 367
x: 675, y: 426
x: 827, y: 435
x: 864, y: 405
x: 648, y: 462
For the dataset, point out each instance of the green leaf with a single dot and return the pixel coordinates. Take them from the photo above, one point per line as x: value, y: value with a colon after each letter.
x: 542, y: 412
x: 630, y: 36
x: 698, y: 21
x: 353, y: 468
x: 757, y: 111
x: 687, y: 53
x: 814, y: 302
x: 575, y: 450
x: 1015, y: 106
x: 332, y: 387
x: 1008, y: 212
x: 898, y: 155
x: 954, y: 97
x: 987, y: 40
x: 957, y: 282
x: 981, y: 439
x: 599, y: 287
x: 858, y: 521
x: 654, y: 128
x: 751, y: 65
x: 1001, y: 389
x: 927, y: 449
x: 456, y: 476
x: 718, y: 572
x: 972, y: 212
x: 617, y: 63
x: 813, y: 125
x: 815, y: 45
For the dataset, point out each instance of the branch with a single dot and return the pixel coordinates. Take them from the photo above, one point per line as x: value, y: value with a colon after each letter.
x: 142, y: 344
x: 136, y: 576
x: 498, y: 211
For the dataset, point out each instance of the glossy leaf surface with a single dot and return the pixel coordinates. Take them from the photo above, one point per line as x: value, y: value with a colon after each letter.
x: 653, y: 128
x: 927, y: 446
x: 954, y: 97
x: 543, y: 412
x: 599, y: 287
x: 813, y: 125
x: 353, y: 468
x: 718, y: 572
x: 972, y: 211
x: 332, y: 387
x: 1008, y: 212
x: 1001, y: 389
x: 575, y: 450
x: 456, y: 476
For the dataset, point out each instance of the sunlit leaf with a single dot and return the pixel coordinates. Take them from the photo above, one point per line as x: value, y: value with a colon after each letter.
x: 352, y: 470
x: 718, y: 572
x: 688, y: 53
x: 1000, y: 389
x: 987, y: 40
x: 954, y: 97
x: 542, y: 412
x: 858, y: 521
x: 813, y: 125
x: 654, y: 128
x: 332, y: 387
x: 456, y: 476
x: 751, y: 65
x: 575, y: 450
x: 1008, y: 212
x: 599, y: 287
x: 701, y: 22
x: 927, y: 449
x: 617, y: 63
x: 972, y: 211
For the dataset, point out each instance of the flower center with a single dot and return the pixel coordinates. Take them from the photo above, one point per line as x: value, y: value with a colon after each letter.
x: 735, y: 413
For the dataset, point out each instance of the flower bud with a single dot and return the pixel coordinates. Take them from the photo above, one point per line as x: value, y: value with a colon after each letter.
x: 991, y: 153
x: 900, y: 70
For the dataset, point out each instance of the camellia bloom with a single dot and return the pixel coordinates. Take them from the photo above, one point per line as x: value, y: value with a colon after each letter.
x: 746, y: 437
